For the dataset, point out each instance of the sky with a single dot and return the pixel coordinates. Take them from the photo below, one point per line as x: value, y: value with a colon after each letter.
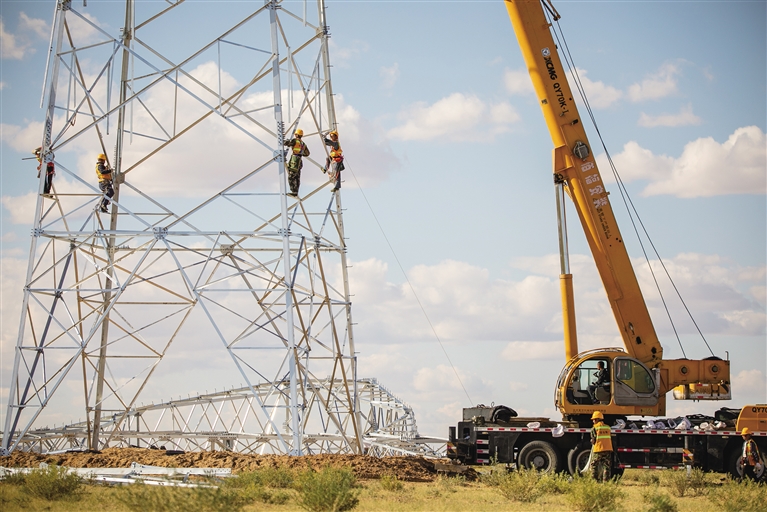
x: 450, y: 208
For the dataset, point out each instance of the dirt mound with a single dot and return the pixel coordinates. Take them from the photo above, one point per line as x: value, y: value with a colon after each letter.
x: 411, y: 469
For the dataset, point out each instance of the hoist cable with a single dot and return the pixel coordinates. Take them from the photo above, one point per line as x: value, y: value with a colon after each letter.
x: 412, y: 289
x: 629, y: 204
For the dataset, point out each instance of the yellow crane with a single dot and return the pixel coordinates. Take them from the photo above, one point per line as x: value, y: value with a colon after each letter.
x: 639, y: 378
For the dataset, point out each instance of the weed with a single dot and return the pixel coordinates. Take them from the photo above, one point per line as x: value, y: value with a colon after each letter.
x: 260, y: 485
x: 676, y: 481
x: 744, y: 496
x: 140, y: 497
x: 390, y: 483
x: 554, y: 483
x: 16, y: 478
x: 494, y: 477
x: 680, y: 483
x: 521, y: 485
x: 331, y: 490
x: 658, y: 501
x: 588, y: 495
x: 649, y: 477
x: 52, y: 483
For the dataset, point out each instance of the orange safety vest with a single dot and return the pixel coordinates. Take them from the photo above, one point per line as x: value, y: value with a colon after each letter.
x: 603, y: 442
x: 337, y: 154
x: 103, y: 177
x: 298, y: 147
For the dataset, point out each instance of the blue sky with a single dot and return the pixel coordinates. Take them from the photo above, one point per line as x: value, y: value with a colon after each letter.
x: 446, y: 140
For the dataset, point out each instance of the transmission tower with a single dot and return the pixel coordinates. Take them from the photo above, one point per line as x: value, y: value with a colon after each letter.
x: 201, y: 247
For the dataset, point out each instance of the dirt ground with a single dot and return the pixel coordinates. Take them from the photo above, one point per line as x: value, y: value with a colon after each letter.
x: 410, y: 469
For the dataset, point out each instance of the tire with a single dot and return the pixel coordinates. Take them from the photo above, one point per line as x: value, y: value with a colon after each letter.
x: 577, y: 458
x: 541, y: 456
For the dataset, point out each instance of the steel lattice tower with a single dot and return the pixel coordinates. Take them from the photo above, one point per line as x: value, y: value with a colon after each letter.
x: 179, y: 109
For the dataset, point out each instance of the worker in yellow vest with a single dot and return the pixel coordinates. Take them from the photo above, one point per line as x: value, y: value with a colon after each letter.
x: 602, y: 449
x: 104, y: 173
x: 296, y: 162
x: 751, y: 460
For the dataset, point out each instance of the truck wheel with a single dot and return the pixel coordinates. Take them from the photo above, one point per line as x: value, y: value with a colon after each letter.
x: 541, y: 456
x: 577, y: 458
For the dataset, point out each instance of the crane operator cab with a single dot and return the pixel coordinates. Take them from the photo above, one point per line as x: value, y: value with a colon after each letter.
x: 612, y: 382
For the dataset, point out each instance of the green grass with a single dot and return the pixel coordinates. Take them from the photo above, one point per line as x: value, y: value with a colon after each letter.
x: 283, y: 490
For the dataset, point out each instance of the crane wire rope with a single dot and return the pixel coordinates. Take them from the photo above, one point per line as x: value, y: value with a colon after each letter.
x: 629, y: 204
x: 410, y: 285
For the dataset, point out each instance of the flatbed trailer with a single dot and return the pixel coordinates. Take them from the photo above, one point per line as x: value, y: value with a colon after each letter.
x: 559, y: 446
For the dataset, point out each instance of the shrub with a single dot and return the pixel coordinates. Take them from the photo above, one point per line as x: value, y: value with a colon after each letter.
x: 648, y: 477
x: 328, y: 490
x: 494, y: 477
x: 259, y: 485
x: 52, y: 483
x: 520, y: 485
x: 744, y: 496
x: 16, y: 478
x: 588, y: 495
x: 554, y: 483
x: 698, y: 482
x: 676, y: 481
x: 141, y: 497
x: 390, y: 483
x: 680, y: 483
x: 659, y: 502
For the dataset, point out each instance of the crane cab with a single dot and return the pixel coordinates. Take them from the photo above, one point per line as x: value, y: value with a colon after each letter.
x: 626, y: 388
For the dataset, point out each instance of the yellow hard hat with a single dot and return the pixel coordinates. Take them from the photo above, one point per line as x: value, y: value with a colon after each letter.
x: 101, y: 156
x: 745, y: 432
x: 333, y: 133
x: 299, y: 133
x: 37, y: 151
x: 597, y: 416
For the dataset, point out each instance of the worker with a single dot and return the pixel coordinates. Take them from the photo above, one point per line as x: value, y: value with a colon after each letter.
x: 296, y: 162
x: 601, y: 449
x: 334, y: 163
x: 751, y: 460
x: 104, y: 173
x: 601, y: 377
x: 50, y: 171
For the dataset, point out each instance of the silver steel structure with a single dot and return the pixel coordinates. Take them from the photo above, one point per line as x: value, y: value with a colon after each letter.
x: 230, y: 420
x: 202, y: 254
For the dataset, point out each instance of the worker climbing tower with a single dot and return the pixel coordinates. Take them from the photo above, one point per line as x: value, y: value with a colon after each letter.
x: 203, y: 273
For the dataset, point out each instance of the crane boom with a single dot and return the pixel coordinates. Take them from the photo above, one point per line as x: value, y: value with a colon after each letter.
x: 632, y: 390
x: 576, y: 167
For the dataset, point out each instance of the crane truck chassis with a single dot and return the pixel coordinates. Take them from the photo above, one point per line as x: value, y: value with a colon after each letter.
x: 494, y: 435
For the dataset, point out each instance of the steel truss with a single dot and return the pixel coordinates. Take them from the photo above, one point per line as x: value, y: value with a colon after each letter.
x: 201, y: 249
x: 229, y: 420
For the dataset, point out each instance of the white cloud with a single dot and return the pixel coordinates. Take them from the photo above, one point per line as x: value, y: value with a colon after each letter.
x: 20, y: 45
x: 658, y: 85
x: 685, y: 117
x: 750, y: 386
x: 517, y: 81
x: 37, y: 26
x: 452, y: 118
x: 389, y: 76
x: 21, y: 208
x: 717, y: 292
x: 598, y: 93
x: 529, y: 350
x: 343, y: 56
x: 706, y: 168
x: 10, y: 46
